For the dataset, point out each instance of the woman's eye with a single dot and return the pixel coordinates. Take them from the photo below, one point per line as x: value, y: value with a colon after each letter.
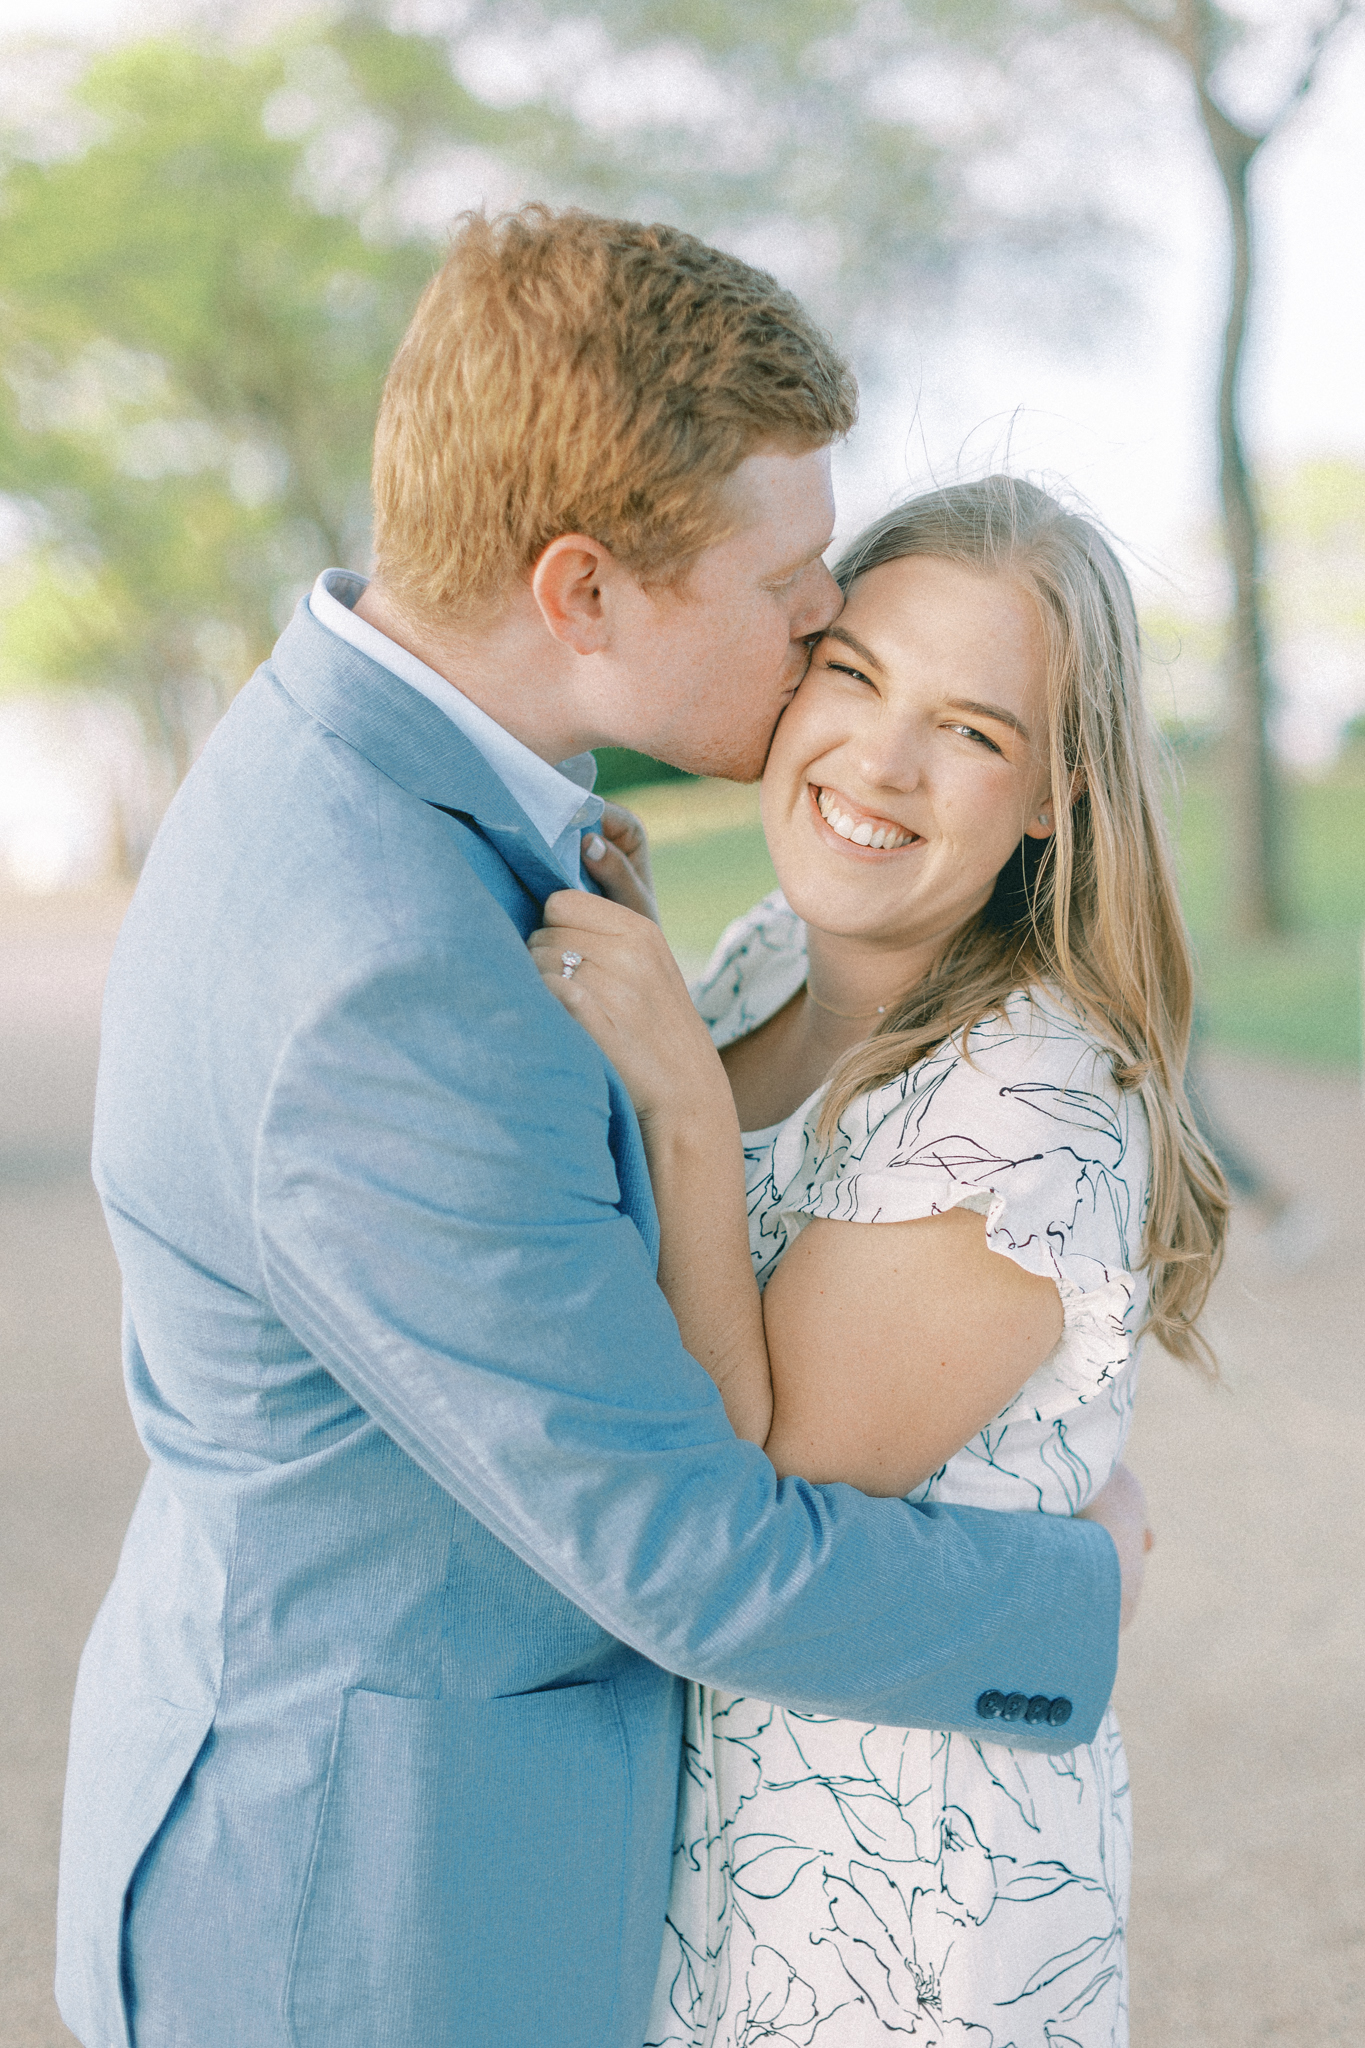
x: 970, y: 732
x: 842, y: 668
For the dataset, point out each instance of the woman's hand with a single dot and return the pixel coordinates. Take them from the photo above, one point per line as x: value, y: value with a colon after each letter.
x: 616, y: 855
x: 1120, y: 1506
x: 626, y: 991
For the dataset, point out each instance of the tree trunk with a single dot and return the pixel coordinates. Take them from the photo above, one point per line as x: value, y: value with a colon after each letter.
x: 1255, y: 834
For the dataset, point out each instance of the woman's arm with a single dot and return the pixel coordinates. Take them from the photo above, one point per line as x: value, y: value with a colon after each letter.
x: 696, y: 1168
x: 629, y: 995
x: 878, y: 1349
x: 892, y: 1344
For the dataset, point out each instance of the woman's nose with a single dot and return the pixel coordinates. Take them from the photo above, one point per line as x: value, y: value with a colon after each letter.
x: 890, y: 753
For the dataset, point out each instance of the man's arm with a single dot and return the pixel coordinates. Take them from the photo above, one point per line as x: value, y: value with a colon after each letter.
x: 440, y: 1223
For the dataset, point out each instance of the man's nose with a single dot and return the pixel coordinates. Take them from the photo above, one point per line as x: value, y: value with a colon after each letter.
x: 821, y: 603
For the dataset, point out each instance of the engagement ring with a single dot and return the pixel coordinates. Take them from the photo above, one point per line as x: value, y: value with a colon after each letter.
x: 571, y: 960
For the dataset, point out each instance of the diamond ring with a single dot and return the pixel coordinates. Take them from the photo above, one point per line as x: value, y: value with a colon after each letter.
x: 571, y: 960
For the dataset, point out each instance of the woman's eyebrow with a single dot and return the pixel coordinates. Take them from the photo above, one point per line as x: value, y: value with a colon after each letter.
x: 863, y: 653
x: 995, y: 711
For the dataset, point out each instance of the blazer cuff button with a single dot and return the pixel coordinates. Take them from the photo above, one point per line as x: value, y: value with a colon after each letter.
x: 989, y: 1705
x: 1058, y: 1712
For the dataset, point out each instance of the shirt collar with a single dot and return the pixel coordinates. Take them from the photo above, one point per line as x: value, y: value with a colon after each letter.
x: 558, y: 800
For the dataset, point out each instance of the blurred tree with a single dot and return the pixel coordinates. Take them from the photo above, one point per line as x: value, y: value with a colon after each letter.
x: 877, y: 152
x: 200, y: 302
x: 1313, y: 548
x: 1199, y: 35
x: 868, y: 152
x: 201, y: 295
x: 196, y: 320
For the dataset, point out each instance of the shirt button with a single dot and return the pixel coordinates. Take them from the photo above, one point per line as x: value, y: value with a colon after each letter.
x: 989, y: 1705
x: 1058, y: 1712
x: 1016, y: 1705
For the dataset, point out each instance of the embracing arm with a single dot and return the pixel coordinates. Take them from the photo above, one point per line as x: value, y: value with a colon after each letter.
x: 878, y: 1349
x: 442, y: 1224
x: 833, y: 1372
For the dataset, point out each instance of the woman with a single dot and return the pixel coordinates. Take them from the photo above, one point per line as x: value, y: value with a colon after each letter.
x: 963, y: 1022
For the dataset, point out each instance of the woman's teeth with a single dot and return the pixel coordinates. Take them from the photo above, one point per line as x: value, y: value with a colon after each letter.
x: 861, y: 832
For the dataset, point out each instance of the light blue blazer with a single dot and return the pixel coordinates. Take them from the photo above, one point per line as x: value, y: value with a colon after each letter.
x: 376, y: 1738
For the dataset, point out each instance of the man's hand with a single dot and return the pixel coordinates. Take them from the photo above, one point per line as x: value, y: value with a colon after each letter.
x: 1120, y: 1506
x: 617, y: 858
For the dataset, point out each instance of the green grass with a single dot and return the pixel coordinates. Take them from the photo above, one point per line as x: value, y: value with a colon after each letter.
x: 703, y: 883
x: 1296, y: 998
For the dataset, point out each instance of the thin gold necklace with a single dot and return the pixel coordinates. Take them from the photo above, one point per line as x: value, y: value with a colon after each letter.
x: 848, y: 1016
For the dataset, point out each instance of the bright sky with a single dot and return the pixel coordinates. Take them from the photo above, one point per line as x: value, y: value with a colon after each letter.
x: 1130, y: 427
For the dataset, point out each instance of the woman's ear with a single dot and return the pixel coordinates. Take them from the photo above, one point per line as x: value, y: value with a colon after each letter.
x: 566, y: 583
x: 1043, y: 823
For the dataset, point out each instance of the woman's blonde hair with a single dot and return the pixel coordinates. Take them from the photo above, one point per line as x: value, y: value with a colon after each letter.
x: 566, y: 373
x: 1091, y: 910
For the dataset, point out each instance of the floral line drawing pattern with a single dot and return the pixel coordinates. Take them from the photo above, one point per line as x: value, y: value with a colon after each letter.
x: 837, y: 1885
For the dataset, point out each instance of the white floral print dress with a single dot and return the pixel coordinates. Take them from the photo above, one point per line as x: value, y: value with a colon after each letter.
x: 837, y: 1885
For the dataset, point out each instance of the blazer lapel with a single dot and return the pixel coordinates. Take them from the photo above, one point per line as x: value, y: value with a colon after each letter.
x: 520, y: 845
x: 410, y: 741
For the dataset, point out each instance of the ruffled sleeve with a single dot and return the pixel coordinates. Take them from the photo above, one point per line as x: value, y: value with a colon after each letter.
x: 1032, y: 1132
x: 758, y: 965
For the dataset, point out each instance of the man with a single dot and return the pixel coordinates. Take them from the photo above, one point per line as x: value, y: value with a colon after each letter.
x: 376, y: 1738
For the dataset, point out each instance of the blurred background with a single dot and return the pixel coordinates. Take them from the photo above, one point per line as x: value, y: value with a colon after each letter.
x: 1117, y: 245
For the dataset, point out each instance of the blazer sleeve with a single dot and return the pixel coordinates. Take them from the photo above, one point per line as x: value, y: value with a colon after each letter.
x: 440, y: 1222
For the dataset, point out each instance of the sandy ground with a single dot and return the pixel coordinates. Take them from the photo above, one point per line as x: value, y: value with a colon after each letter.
x: 1243, y: 1679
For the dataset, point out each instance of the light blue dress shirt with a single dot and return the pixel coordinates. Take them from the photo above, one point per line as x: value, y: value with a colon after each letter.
x: 558, y: 801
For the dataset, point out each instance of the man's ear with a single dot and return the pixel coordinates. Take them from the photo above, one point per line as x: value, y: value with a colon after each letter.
x: 567, y: 585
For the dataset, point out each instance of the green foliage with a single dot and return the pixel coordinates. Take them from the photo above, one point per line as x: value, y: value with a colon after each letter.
x: 200, y: 302
x: 780, y: 130
x: 1314, y: 568
x: 1296, y: 997
x: 192, y: 348
x: 1315, y: 547
x: 620, y: 768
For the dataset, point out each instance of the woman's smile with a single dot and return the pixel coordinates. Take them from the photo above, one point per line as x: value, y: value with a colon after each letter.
x: 857, y: 828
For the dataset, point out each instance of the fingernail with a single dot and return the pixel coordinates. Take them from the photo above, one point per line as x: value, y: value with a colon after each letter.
x: 595, y: 847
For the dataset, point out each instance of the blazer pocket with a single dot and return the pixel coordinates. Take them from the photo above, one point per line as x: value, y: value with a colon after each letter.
x: 466, y: 1886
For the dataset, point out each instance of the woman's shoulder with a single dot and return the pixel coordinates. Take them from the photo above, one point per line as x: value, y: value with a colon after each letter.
x: 1035, y: 1053
x: 1024, y: 1119
x: 758, y: 965
x: 1038, y: 1037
